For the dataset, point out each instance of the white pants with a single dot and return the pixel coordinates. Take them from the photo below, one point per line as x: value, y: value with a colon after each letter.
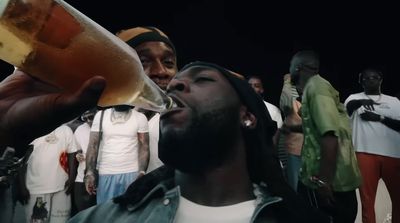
x: 52, y: 208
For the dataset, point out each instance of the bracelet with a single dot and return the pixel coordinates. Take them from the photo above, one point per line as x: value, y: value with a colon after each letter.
x: 142, y: 172
x: 318, y: 181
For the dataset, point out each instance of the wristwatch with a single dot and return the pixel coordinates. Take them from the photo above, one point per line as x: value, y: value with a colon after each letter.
x: 318, y: 181
x: 381, y: 118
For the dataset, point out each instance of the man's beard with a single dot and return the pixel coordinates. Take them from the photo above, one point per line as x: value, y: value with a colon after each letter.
x: 203, y: 145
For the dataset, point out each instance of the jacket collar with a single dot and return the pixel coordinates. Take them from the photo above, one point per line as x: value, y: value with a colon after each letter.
x: 161, y: 189
x: 154, y: 184
x: 160, y: 182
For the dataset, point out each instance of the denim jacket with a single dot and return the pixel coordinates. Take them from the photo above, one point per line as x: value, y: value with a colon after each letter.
x: 161, y: 203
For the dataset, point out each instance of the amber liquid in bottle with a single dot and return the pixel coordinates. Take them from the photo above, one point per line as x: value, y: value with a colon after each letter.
x: 54, y: 42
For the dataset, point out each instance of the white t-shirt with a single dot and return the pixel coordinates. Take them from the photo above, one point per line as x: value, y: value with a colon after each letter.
x: 47, y: 165
x: 119, y: 144
x: 154, y: 125
x: 82, y: 134
x: 189, y: 211
x: 375, y: 137
x: 275, y: 113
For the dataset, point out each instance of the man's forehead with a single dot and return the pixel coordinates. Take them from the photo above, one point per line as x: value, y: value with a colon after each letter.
x: 295, y: 60
x: 254, y: 80
x: 195, y: 70
x: 151, y: 46
x: 371, y: 73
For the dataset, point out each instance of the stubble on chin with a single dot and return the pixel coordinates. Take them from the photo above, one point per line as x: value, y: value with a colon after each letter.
x: 199, y: 146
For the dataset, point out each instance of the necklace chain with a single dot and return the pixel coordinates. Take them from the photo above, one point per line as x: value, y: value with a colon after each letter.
x: 120, y: 116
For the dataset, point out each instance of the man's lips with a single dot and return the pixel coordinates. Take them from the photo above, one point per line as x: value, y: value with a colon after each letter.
x: 178, y: 106
x: 178, y: 102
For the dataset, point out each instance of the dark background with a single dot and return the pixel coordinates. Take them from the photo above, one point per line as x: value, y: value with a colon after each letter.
x: 259, y: 38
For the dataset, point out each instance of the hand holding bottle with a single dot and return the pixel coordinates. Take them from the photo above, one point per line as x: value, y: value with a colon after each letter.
x: 29, y: 108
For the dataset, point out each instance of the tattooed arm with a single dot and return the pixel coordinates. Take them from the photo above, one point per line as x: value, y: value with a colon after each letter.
x: 144, y: 152
x: 90, y: 178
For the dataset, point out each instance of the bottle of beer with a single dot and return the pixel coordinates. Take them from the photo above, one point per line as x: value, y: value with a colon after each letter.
x: 54, y: 42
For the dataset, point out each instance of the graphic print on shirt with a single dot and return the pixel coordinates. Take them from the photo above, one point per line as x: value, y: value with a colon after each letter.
x: 39, y: 212
x: 64, y: 161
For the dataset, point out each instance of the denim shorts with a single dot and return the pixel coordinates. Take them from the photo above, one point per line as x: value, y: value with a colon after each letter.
x: 112, y: 185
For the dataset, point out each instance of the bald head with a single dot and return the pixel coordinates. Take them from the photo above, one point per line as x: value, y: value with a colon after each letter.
x: 305, y: 60
x: 303, y: 65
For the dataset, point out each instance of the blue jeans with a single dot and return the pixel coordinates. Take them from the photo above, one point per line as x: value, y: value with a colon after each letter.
x: 112, y: 185
x: 292, y: 170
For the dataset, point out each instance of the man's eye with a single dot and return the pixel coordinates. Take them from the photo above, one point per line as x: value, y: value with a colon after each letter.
x: 203, y: 79
x: 169, y: 63
x: 143, y: 60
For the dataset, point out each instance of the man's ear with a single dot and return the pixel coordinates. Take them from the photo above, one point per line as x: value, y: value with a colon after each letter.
x: 247, y: 119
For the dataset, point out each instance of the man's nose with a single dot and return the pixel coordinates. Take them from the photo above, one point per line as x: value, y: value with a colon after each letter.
x: 158, y: 69
x: 178, y: 85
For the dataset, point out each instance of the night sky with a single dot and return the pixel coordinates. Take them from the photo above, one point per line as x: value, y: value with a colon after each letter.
x: 258, y: 38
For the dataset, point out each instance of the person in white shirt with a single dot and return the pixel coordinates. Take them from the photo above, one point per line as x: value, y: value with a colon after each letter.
x: 82, y: 199
x: 375, y: 119
x: 119, y: 147
x: 256, y: 83
x: 49, y: 176
x: 30, y: 108
x: 154, y: 126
